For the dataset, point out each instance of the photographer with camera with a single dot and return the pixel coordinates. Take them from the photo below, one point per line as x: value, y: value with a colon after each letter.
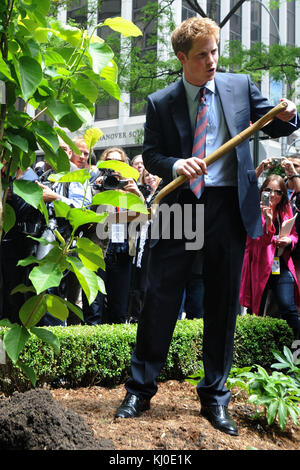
x: 118, y: 257
x: 268, y: 164
x: 149, y: 186
x: 74, y: 194
x: 268, y: 262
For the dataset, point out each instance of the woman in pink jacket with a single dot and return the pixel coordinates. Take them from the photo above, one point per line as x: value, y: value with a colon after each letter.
x: 268, y: 263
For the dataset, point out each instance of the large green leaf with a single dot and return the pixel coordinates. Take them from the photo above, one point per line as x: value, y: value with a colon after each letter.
x: 90, y: 254
x: 41, y: 34
x: 111, y: 88
x: 61, y: 208
x: 57, y: 109
x: 37, y: 7
x: 82, y: 112
x: 70, y: 34
x: 74, y: 309
x: 101, y: 54
x: 47, y: 336
x: 120, y: 199
x: 29, y: 191
x: 23, y: 289
x: 14, y: 341
x: 91, y: 136
x: 121, y: 167
x: 47, y: 134
x: 4, y: 69
x: 52, y: 57
x: 29, y: 74
x: 29, y: 371
x: 27, y: 261
x: 78, y: 217
x: 101, y: 285
x: 32, y: 310
x: 18, y: 141
x: 46, y: 275
x: 71, y: 121
x: 87, y: 279
x: 67, y: 139
x: 56, y: 307
x: 58, y: 160
x: 86, y: 88
x: 125, y: 27
x: 9, y: 219
x: 110, y: 72
x: 79, y: 176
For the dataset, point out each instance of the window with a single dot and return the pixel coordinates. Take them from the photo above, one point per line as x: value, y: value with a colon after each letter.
x: 291, y: 23
x: 78, y: 12
x: 213, y: 10
x: 107, y: 9
x: 147, y: 44
x: 274, y: 31
x: 187, y: 11
x: 255, y: 22
x: 108, y: 108
x: 235, y: 23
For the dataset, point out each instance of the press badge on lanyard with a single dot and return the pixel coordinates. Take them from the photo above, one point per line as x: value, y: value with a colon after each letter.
x: 276, y: 265
x: 117, y: 233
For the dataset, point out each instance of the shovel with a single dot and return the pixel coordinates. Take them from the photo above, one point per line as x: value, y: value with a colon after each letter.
x: 231, y: 144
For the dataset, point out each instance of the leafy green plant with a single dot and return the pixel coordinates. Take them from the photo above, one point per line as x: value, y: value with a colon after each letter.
x: 101, y: 354
x: 277, y: 394
x: 286, y: 361
x: 49, y: 68
x: 236, y: 377
x: 195, y: 378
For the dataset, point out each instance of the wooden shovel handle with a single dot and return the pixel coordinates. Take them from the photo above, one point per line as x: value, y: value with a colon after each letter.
x: 231, y: 144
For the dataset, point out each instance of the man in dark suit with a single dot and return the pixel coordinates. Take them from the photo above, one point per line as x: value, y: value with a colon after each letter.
x: 231, y: 209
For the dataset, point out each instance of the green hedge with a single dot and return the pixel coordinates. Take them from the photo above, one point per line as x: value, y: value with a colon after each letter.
x: 94, y: 355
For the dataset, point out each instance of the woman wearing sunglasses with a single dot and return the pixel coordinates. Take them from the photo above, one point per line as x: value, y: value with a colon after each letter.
x: 268, y: 263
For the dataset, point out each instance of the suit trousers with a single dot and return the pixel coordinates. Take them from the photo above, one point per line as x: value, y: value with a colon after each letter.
x: 170, y: 265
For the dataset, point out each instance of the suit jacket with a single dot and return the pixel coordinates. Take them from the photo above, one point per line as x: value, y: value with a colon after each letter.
x: 168, y: 136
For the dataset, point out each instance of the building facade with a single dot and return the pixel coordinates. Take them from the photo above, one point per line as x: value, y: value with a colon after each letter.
x: 122, y: 124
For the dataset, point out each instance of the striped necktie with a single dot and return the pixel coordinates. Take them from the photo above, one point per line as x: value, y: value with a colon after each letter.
x: 197, y: 184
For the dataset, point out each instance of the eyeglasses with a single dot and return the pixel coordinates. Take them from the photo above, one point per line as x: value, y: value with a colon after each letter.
x: 278, y: 192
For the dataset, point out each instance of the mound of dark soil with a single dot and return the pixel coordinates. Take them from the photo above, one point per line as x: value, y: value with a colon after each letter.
x: 34, y: 421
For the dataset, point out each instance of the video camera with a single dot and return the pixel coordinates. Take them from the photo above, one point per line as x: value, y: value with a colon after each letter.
x: 111, y: 180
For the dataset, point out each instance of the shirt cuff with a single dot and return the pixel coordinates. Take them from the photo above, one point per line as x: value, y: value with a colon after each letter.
x: 174, y: 170
x: 294, y: 121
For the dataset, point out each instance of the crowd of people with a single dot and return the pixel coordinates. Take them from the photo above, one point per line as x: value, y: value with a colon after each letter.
x: 271, y: 261
x: 125, y: 269
x: 187, y: 120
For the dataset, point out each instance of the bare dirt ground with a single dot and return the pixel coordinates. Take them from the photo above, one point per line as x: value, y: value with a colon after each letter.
x: 173, y: 422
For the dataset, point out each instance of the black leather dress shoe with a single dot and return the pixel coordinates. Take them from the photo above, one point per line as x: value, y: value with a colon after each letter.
x: 132, y: 406
x: 220, y: 418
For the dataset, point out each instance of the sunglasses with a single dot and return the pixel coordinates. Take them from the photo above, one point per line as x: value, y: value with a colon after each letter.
x: 278, y: 192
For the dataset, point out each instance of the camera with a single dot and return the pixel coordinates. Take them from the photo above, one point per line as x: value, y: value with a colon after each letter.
x: 145, y: 189
x: 265, y: 198
x: 110, y: 181
x: 276, y: 160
